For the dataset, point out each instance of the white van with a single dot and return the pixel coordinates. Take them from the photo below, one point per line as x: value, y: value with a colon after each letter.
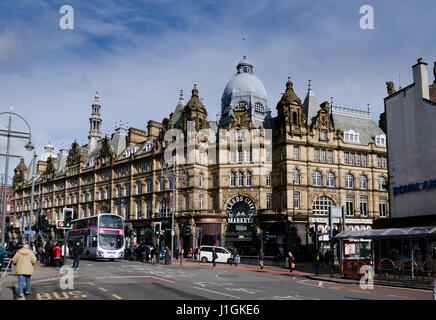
x: 224, y: 255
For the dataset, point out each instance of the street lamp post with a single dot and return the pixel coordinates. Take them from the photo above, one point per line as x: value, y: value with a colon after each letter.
x: 32, y: 195
x: 5, y: 188
x: 172, y: 175
x: 29, y: 147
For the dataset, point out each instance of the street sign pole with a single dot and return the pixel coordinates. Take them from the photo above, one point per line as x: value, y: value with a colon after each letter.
x: 331, y: 243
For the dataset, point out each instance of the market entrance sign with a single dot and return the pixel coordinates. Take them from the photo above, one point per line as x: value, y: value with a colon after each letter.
x: 240, y: 209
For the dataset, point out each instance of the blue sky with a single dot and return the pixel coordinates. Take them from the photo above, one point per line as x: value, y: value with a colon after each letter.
x: 140, y: 54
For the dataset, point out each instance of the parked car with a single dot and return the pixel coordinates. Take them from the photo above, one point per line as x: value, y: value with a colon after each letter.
x: 224, y: 256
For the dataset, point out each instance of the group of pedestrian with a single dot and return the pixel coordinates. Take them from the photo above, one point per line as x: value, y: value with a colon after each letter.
x: 144, y: 253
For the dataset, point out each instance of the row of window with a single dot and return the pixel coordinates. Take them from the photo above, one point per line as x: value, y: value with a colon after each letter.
x: 320, y: 206
x: 331, y: 178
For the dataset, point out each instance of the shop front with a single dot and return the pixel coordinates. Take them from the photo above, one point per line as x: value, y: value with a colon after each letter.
x: 209, y: 232
x: 143, y: 231
x: 241, y: 228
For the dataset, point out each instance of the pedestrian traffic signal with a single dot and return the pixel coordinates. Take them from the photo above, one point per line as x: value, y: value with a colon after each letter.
x: 60, y: 224
x: 68, y: 217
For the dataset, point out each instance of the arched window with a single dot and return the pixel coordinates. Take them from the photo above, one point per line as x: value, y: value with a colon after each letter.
x: 258, y: 107
x: 381, y: 183
x: 349, y: 181
x: 139, y: 187
x: 330, y: 179
x: 317, y: 178
x: 363, y: 182
x: 321, y: 205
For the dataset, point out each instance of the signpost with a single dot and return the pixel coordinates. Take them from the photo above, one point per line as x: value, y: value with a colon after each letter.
x: 334, y: 212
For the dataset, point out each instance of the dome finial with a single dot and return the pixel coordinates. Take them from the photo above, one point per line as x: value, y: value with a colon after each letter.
x: 244, y: 56
x: 96, y: 97
x: 181, y: 98
x: 195, y: 91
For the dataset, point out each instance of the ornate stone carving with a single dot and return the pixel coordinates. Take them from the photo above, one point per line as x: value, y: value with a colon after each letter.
x: 323, y: 120
x: 18, y: 179
x: 390, y: 87
x: 240, y: 119
x: 50, y: 170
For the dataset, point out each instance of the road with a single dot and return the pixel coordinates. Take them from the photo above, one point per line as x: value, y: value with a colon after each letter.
x: 126, y: 280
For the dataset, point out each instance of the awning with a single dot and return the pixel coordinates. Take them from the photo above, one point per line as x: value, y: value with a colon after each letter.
x: 389, y: 233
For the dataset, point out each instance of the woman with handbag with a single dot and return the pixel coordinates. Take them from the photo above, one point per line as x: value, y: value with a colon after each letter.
x: 291, y: 261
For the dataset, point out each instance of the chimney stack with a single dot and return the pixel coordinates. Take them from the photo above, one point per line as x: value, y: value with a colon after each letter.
x: 420, y: 77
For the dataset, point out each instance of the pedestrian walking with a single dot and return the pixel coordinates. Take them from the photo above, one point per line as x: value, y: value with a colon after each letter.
x: 77, y: 252
x: 65, y: 252
x: 214, y: 257
x: 24, y: 259
x: 157, y: 254
x: 132, y: 252
x: 40, y: 252
x: 291, y: 261
x: 57, y: 255
x: 47, y: 253
x: 147, y: 254
x: 235, y: 256
x: 261, y: 257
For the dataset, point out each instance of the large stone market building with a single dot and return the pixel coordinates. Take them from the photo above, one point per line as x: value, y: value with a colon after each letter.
x: 307, y: 158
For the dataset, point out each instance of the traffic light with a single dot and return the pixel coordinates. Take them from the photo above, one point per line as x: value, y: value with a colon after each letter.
x: 46, y: 225
x: 157, y: 226
x: 187, y: 231
x: 60, y: 224
x: 68, y: 217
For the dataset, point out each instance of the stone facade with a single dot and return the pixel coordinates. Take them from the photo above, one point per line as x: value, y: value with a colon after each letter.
x: 245, y: 196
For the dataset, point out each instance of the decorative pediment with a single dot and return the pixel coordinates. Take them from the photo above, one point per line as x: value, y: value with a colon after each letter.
x: 240, y: 119
x: 18, y: 179
x: 73, y: 155
x: 323, y: 120
x: 50, y: 170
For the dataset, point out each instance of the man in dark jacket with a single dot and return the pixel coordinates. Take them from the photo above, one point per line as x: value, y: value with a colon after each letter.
x: 77, y: 252
x: 214, y: 257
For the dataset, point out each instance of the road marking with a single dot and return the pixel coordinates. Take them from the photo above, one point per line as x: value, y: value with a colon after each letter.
x: 393, y: 295
x: 360, y: 291
x: 244, y: 290
x: 320, y: 284
x: 399, y: 288
x: 126, y: 277
x: 44, y: 280
x: 103, y: 289
x: 228, y: 295
x: 118, y: 297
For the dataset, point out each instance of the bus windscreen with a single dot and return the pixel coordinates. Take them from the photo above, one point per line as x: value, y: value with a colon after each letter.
x: 114, y: 222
